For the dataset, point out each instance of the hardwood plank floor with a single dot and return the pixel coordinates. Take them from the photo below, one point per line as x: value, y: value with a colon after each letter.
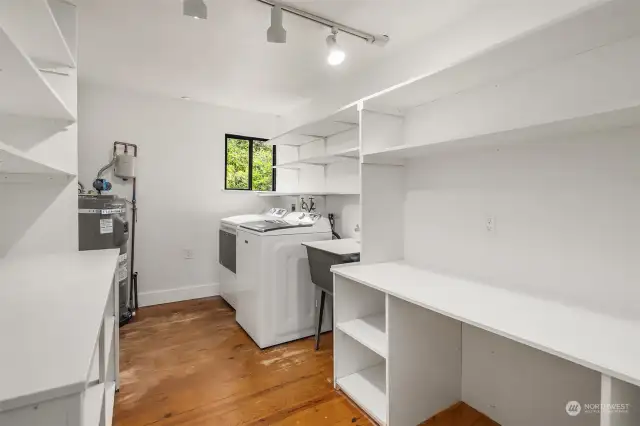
x: 189, y: 363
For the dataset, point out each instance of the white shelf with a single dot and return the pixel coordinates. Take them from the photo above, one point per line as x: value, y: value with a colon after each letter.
x: 605, y: 120
x: 92, y: 405
x: 110, y: 395
x: 341, y: 121
x: 348, y: 154
x: 545, y: 325
x: 580, y: 32
x: 14, y: 162
x: 367, y: 389
x: 369, y: 331
x: 60, y: 300
x: 24, y: 91
x: 33, y: 25
x: 296, y: 193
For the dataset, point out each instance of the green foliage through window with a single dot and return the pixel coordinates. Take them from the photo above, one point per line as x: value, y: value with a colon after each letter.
x: 249, y: 164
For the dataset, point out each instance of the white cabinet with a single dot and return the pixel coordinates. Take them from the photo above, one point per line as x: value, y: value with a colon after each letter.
x: 62, y: 369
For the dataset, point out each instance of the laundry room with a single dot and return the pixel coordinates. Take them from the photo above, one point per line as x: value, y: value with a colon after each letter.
x: 319, y: 212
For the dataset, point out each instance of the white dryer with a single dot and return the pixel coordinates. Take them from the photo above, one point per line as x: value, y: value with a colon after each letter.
x: 227, y: 249
x: 275, y: 295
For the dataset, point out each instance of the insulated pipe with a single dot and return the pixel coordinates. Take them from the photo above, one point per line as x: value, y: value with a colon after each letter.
x: 377, y: 39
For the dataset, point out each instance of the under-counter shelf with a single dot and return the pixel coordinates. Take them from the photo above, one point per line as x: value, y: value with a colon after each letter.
x: 92, y: 405
x: 369, y: 331
x: 542, y: 324
x: 109, y: 395
x: 367, y: 388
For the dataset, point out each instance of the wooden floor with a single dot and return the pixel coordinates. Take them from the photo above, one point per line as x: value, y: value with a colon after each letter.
x: 189, y: 363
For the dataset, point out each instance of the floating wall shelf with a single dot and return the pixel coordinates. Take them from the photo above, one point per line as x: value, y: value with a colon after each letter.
x: 339, y: 122
x: 607, y: 120
x: 296, y: 193
x: 34, y: 25
x: 18, y: 167
x: 24, y: 90
x: 349, y: 154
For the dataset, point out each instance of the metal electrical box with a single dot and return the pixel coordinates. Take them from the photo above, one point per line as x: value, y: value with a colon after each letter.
x: 102, y: 224
x: 125, y: 167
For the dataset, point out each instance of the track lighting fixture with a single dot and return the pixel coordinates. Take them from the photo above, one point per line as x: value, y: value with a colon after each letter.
x: 196, y: 9
x: 276, y: 32
x: 336, y: 54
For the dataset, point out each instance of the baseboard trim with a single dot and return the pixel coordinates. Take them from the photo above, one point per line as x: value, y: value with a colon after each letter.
x: 160, y: 297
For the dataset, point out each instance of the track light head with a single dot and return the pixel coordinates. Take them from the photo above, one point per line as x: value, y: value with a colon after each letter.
x: 336, y: 54
x: 276, y: 32
x: 196, y: 9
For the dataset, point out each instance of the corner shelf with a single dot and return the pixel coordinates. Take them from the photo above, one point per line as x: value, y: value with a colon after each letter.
x: 24, y: 91
x: 367, y: 389
x: 33, y: 24
x: 341, y: 121
x: 369, y: 331
x: 346, y: 155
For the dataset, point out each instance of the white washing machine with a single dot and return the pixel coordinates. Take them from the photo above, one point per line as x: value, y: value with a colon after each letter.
x: 227, y: 249
x: 276, y: 298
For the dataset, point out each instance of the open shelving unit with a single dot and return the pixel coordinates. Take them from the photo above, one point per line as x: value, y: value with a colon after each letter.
x: 322, y: 155
x: 429, y: 318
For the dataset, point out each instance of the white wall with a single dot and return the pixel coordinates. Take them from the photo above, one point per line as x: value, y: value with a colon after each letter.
x: 565, y: 210
x: 180, y: 181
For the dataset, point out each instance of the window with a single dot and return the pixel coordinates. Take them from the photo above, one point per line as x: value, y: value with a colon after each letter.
x: 249, y: 164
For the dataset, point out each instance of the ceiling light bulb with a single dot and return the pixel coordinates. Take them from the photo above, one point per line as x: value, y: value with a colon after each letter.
x: 196, y: 9
x: 336, y: 54
x: 276, y: 32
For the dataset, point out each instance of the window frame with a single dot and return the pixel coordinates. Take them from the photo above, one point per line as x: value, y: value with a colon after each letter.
x: 251, y: 140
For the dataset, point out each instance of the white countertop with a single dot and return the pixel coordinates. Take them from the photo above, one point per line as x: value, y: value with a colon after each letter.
x: 339, y: 247
x: 603, y: 343
x: 51, y: 310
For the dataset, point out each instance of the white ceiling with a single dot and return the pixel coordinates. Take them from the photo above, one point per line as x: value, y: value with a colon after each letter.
x: 147, y: 45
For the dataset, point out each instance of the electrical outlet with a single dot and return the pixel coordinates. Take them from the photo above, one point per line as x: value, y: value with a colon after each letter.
x: 188, y: 254
x: 490, y: 223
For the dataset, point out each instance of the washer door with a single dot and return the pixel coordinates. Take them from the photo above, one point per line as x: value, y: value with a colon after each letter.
x: 227, y: 250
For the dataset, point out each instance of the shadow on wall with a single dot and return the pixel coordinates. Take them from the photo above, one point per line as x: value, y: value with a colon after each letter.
x: 22, y: 204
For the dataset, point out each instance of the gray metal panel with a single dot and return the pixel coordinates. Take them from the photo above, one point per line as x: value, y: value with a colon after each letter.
x: 102, y: 224
x: 227, y: 250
